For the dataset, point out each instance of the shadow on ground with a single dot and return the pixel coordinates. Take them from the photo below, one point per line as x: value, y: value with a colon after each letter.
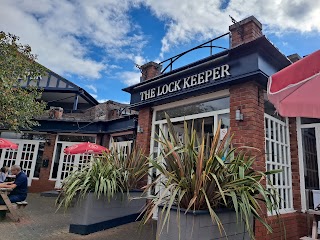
x: 41, y: 221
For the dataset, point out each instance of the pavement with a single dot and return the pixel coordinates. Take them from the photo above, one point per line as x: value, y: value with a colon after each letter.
x: 40, y: 220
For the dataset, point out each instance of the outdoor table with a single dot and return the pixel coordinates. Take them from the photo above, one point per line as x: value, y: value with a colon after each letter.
x: 10, y: 178
x: 8, y: 205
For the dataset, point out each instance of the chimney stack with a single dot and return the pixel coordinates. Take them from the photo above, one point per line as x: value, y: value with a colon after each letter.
x: 245, y: 31
x: 150, y: 70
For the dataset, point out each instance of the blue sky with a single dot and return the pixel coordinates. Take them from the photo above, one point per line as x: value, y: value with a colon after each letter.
x: 97, y: 43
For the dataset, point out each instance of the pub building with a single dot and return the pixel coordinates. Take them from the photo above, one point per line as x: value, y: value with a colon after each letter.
x: 231, y: 86
x: 73, y: 116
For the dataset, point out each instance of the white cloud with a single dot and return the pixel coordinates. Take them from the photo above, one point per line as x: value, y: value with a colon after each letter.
x: 102, y: 100
x: 66, y: 34
x: 63, y: 33
x: 204, y: 19
x: 129, y: 78
x: 94, y: 95
x: 92, y: 87
x: 139, y: 60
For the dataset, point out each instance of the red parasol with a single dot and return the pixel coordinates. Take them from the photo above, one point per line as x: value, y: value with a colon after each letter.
x: 295, y: 90
x: 85, y: 148
x: 7, y: 144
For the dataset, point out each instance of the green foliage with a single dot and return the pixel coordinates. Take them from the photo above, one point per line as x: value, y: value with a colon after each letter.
x: 204, y: 173
x: 18, y: 106
x: 106, y: 175
x: 100, y: 176
x: 134, y: 166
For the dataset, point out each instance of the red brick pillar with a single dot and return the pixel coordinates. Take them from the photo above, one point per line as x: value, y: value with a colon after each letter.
x: 148, y: 71
x: 44, y: 184
x: 295, y: 164
x: 248, y: 98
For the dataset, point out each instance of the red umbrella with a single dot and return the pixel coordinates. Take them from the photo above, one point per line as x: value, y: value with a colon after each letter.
x: 86, y: 147
x: 295, y: 90
x: 7, y: 144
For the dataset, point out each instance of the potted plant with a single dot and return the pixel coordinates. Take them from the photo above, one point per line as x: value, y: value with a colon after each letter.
x: 208, y: 190
x: 101, y: 191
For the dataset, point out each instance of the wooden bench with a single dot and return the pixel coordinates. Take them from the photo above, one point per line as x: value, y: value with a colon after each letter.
x: 16, y: 205
x: 22, y: 204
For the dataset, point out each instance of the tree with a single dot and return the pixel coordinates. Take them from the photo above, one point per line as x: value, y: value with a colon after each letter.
x: 19, y: 106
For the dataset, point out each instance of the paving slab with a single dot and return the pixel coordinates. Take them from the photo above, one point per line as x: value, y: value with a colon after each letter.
x: 40, y: 220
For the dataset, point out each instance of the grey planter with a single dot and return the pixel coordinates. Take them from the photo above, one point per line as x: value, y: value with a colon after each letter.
x: 92, y: 215
x: 198, y: 225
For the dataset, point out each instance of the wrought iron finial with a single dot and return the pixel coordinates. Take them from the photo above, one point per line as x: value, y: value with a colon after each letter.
x: 240, y: 29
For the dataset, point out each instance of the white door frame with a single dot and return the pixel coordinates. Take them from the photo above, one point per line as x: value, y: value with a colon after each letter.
x: 300, y: 126
x: 76, y: 161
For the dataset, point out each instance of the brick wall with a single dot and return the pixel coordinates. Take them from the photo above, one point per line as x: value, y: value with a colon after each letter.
x: 44, y: 184
x: 145, y: 122
x: 289, y: 226
x: 248, y: 98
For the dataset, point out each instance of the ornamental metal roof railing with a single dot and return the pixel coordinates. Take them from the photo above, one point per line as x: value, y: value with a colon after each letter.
x: 168, y: 63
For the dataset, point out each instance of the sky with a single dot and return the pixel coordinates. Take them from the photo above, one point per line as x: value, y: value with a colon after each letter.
x: 97, y: 43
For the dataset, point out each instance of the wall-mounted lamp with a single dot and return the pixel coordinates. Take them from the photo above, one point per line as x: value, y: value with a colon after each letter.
x: 48, y: 142
x: 139, y: 129
x: 239, y: 115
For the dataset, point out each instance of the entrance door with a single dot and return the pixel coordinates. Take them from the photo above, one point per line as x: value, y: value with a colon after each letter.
x: 123, y: 146
x: 310, y: 145
x: 25, y: 156
x: 160, y: 129
x: 70, y: 163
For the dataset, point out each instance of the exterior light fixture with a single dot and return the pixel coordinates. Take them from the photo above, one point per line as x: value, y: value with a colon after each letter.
x: 139, y: 129
x: 48, y: 142
x: 239, y: 115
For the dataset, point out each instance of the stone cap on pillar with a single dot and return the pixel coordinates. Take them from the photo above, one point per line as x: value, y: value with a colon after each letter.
x: 245, y: 31
x: 149, y: 70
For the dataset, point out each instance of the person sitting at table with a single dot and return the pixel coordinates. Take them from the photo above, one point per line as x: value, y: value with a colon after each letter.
x: 19, y: 186
x: 3, y: 174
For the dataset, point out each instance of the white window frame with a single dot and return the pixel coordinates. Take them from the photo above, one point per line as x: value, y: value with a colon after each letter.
x: 280, y: 164
x: 300, y: 126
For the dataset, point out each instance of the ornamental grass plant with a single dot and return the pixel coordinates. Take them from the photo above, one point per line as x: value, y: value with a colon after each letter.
x: 117, y: 171
x: 202, y: 172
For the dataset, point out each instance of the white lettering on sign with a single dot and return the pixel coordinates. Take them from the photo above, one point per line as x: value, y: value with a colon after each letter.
x: 187, y: 82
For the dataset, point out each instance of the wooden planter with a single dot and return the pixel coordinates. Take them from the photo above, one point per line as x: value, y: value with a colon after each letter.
x: 92, y: 214
x: 198, y: 225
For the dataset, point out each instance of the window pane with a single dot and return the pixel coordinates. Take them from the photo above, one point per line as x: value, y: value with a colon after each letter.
x: 208, y: 106
x: 70, y: 138
x: 310, y: 158
x: 37, y: 168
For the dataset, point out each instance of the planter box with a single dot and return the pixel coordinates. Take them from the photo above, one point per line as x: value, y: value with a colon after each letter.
x: 92, y: 215
x: 198, y: 225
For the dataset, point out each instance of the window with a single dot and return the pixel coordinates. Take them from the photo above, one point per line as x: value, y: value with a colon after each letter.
x: 278, y: 157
